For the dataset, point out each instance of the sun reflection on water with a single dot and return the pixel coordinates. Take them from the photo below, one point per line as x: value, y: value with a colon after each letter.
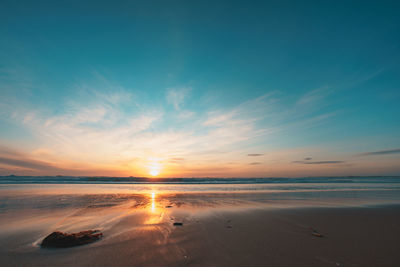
x: 153, y: 202
x: 155, y: 214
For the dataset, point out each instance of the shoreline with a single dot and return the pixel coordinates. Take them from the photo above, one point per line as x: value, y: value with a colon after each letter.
x: 352, y: 236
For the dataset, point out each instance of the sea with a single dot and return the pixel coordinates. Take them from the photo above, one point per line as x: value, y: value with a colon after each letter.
x: 271, y: 191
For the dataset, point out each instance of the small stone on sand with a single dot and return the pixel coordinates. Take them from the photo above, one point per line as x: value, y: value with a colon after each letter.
x: 315, y: 233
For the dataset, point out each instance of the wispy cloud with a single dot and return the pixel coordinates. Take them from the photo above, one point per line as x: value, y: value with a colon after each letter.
x: 29, y: 164
x: 311, y: 97
x: 319, y: 162
x: 185, y: 114
x: 109, y: 128
x: 176, y: 96
x: 100, y: 128
x: 381, y: 152
x: 15, y: 162
x: 175, y: 160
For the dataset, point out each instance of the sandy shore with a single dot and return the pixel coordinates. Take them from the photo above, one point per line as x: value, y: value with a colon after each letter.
x: 367, y: 236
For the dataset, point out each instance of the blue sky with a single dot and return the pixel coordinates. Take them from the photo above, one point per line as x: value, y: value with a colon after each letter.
x: 192, y: 88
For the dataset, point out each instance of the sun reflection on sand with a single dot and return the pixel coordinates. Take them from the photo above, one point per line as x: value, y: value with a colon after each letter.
x: 153, y: 202
x: 156, y: 213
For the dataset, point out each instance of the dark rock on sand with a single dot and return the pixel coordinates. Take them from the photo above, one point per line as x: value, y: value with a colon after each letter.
x: 64, y: 240
x: 178, y: 224
x: 316, y: 233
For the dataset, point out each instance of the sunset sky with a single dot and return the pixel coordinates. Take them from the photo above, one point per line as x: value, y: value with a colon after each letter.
x: 200, y: 88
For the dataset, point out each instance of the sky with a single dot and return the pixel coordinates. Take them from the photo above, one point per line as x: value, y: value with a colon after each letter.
x: 200, y: 88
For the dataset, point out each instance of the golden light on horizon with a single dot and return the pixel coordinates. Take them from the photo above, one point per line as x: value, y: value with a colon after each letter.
x: 154, y: 172
x: 154, y: 168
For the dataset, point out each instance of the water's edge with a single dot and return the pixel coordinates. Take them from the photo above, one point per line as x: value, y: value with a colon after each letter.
x: 144, y: 180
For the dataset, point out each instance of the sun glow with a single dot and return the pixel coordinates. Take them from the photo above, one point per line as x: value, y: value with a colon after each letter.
x: 154, y: 172
x: 154, y: 168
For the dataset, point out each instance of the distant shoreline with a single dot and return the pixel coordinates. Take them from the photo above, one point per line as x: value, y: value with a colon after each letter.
x: 145, y: 180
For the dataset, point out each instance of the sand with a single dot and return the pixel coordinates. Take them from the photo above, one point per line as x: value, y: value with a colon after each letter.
x: 225, y: 228
x: 228, y: 236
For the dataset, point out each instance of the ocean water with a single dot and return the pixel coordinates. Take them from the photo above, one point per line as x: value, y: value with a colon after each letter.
x: 12, y: 179
x: 23, y: 192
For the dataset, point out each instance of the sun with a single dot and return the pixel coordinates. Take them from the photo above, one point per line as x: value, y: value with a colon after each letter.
x: 154, y: 167
x: 154, y: 172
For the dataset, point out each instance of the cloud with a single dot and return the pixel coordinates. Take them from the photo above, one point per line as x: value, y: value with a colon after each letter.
x: 10, y: 157
x: 314, y: 96
x: 29, y: 164
x: 250, y: 111
x: 381, y: 152
x: 242, y: 123
x: 185, y: 114
x: 90, y: 127
x: 8, y: 152
x: 105, y: 126
x: 176, y: 96
x: 19, y: 163
x: 319, y: 162
x: 218, y: 118
x: 270, y: 114
x: 99, y: 129
x: 176, y: 160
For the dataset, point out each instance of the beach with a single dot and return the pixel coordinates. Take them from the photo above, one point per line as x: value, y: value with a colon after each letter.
x: 234, y: 228
x: 199, y: 133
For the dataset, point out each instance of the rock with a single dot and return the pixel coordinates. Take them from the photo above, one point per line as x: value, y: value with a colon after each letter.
x: 169, y: 206
x: 64, y: 240
x: 178, y: 224
x: 316, y: 233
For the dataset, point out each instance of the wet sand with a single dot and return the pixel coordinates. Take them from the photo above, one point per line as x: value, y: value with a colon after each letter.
x: 217, y: 230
